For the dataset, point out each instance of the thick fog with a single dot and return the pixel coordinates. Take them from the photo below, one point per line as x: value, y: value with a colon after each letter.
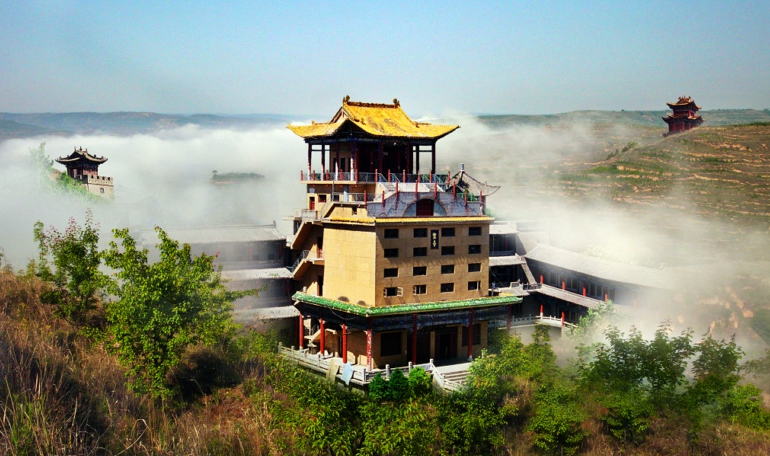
x: 165, y: 179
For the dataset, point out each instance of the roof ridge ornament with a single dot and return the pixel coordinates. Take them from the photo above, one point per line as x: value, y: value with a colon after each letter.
x: 346, y: 99
x: 396, y: 103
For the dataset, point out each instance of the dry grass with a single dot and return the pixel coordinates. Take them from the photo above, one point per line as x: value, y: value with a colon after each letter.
x: 63, y: 394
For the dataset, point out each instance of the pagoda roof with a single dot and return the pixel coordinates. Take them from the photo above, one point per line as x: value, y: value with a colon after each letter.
x: 376, y: 119
x: 465, y: 181
x: 683, y: 101
x: 80, y: 154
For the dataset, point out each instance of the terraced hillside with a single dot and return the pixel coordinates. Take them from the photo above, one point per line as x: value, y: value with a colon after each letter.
x: 715, y: 172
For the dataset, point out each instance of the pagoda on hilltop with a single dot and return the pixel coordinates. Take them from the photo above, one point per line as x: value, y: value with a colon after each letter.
x: 391, y: 258
x: 684, y: 117
x: 84, y: 168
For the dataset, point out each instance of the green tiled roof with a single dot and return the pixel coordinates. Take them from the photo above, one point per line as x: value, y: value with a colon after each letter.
x: 405, y: 308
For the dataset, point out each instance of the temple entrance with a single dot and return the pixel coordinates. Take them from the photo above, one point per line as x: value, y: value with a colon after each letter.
x: 423, y: 347
x: 446, y: 344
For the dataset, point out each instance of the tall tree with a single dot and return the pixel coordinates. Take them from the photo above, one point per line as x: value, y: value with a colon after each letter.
x: 70, y: 261
x: 163, y: 308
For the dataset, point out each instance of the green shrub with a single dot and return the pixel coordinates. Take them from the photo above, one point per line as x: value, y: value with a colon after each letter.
x: 556, y: 424
x: 420, y: 382
x: 628, y: 415
x: 398, y: 386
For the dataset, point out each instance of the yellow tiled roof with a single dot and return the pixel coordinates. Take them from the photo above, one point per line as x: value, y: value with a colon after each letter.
x: 377, y: 119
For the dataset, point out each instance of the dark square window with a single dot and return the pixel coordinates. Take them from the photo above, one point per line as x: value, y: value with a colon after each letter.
x: 391, y: 253
x: 391, y: 272
x: 474, y: 285
x: 474, y: 267
x: 420, y: 251
x: 447, y: 269
x: 474, y: 231
x: 447, y: 232
x: 391, y: 233
x: 448, y: 250
x: 420, y: 232
x: 419, y: 289
x: 390, y: 344
x: 419, y: 270
x: 476, y: 335
x: 474, y: 248
x: 447, y: 287
x: 389, y: 292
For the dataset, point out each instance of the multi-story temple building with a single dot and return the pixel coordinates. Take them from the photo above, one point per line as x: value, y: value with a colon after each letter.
x: 684, y: 116
x: 392, y: 258
x: 84, y: 168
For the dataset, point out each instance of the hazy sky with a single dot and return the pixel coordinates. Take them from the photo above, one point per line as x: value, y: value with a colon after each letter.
x: 303, y: 57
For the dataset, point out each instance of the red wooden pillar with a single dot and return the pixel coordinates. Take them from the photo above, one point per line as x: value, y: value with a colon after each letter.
x: 344, y: 343
x: 414, y: 339
x: 541, y: 279
x: 369, y: 334
x: 301, y: 332
x: 563, y: 285
x: 322, y: 346
x: 562, y: 319
x: 541, y: 310
x: 470, y: 334
x: 584, y: 290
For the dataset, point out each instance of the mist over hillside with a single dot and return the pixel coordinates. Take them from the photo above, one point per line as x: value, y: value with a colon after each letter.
x: 557, y: 172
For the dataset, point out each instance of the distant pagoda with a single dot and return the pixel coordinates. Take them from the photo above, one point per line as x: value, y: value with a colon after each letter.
x: 684, y: 117
x: 84, y: 168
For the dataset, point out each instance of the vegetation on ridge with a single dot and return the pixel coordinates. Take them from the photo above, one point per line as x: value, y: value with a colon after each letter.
x: 201, y: 387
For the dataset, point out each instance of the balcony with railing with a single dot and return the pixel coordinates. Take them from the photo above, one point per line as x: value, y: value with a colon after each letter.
x: 355, y: 177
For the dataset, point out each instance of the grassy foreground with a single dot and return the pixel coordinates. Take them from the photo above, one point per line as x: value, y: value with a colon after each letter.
x: 63, y: 393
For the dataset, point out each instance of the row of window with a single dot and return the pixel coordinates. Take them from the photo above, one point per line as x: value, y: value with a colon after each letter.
x: 423, y: 270
x: 392, y: 233
x: 390, y: 292
x: 473, y: 249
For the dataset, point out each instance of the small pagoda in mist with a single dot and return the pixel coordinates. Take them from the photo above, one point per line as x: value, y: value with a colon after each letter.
x: 684, y: 117
x: 84, y: 168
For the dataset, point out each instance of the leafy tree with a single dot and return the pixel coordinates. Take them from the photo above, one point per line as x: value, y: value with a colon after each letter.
x: 629, y: 362
x: 716, y: 369
x: 471, y: 424
x: 420, y: 383
x: 398, y: 386
x: 163, y: 308
x: 628, y: 415
x: 593, y: 322
x: 556, y: 424
x: 666, y: 360
x: 378, y: 388
x: 743, y: 404
x: 70, y: 261
x: 407, y: 428
x: 760, y: 369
